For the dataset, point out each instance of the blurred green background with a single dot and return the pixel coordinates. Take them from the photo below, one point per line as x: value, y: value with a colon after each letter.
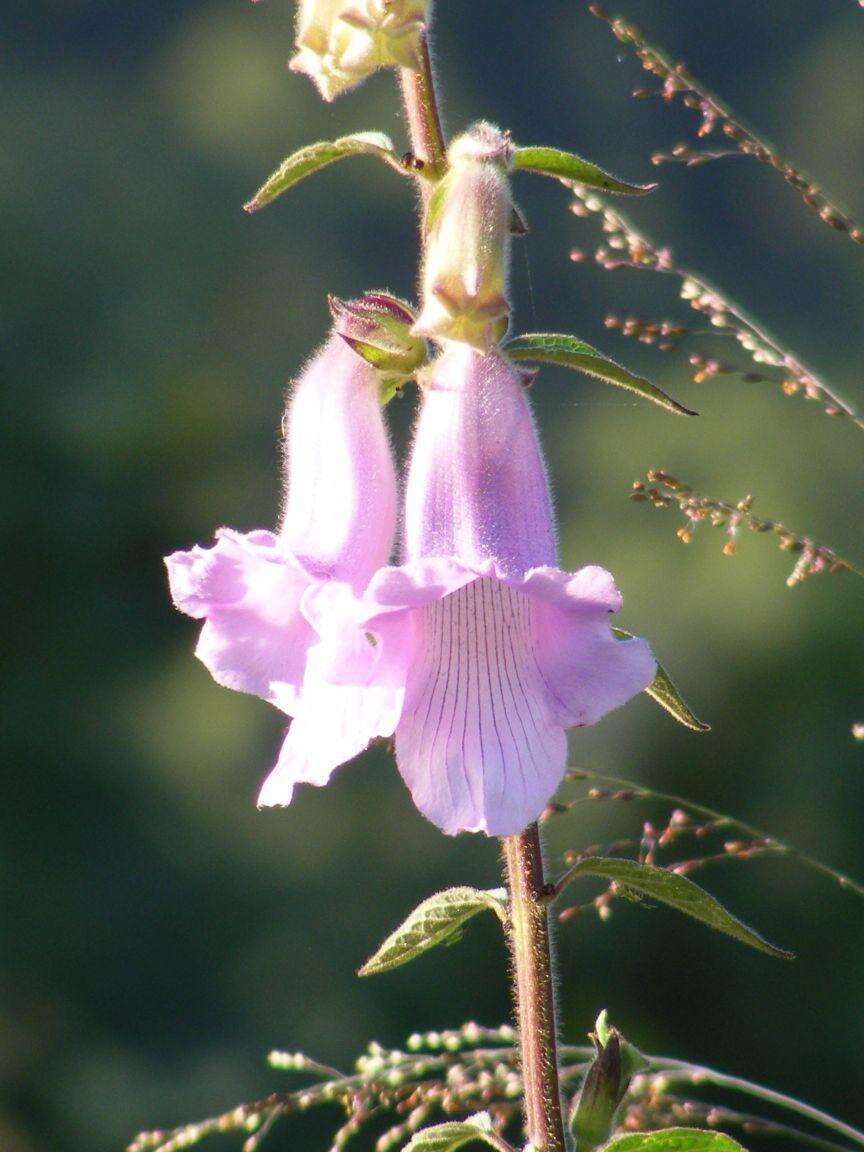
x: 160, y: 934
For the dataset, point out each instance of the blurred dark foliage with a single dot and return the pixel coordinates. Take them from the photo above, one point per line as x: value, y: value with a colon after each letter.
x: 160, y: 935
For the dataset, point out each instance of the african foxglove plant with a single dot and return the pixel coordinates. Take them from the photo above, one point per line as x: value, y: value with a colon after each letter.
x: 471, y: 649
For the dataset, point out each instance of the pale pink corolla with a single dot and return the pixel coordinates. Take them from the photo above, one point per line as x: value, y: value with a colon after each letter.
x: 337, y: 528
x: 496, y: 650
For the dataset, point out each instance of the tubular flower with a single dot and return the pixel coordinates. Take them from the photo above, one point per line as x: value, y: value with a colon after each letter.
x: 337, y: 529
x: 465, y: 270
x: 489, y: 651
x: 340, y: 42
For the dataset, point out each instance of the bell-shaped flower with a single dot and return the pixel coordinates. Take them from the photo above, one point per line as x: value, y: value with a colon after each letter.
x: 469, y: 220
x: 342, y: 42
x: 338, y: 526
x: 496, y: 651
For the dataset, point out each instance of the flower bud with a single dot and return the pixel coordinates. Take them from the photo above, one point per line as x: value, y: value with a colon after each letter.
x: 465, y: 272
x: 594, y: 1112
x: 341, y: 42
x: 605, y: 1085
x: 378, y: 328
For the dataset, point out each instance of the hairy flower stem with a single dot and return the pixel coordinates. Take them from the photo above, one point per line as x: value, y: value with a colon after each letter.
x: 523, y: 860
x: 534, y: 992
x: 421, y: 112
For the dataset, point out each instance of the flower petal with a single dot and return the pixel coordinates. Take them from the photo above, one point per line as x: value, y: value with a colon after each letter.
x: 477, y: 745
x: 334, y: 724
x: 248, y: 590
x: 587, y: 672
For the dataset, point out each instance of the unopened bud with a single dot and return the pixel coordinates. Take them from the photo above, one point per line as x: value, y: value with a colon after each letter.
x: 469, y: 225
x: 378, y: 327
x: 593, y: 1115
x: 341, y: 42
x: 606, y: 1084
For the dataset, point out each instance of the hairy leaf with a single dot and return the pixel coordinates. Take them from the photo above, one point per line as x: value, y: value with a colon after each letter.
x: 455, y: 1134
x: 567, y: 166
x: 315, y: 156
x: 675, y: 1140
x: 663, y: 691
x: 436, y: 921
x: 568, y: 351
x: 676, y: 891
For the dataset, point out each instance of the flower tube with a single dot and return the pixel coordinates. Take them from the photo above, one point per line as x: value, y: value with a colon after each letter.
x: 337, y: 528
x: 497, y: 651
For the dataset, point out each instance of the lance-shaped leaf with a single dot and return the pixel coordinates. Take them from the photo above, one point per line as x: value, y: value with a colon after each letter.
x: 676, y: 891
x: 567, y: 166
x: 453, y: 1134
x: 663, y: 692
x: 316, y: 156
x: 438, y: 920
x: 568, y: 351
x: 675, y: 1140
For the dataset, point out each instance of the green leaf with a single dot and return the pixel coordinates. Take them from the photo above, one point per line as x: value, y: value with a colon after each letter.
x: 453, y: 1134
x: 675, y: 1140
x: 663, y: 692
x: 567, y: 166
x: 676, y: 891
x: 315, y: 156
x: 436, y: 921
x: 553, y: 348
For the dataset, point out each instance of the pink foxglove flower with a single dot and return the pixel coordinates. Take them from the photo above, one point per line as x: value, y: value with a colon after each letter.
x: 337, y: 529
x: 465, y: 269
x: 342, y: 42
x: 497, y: 651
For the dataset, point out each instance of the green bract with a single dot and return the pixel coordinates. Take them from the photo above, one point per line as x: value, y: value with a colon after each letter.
x: 437, y: 920
x: 676, y: 891
x: 313, y: 157
x: 570, y: 352
x: 568, y: 166
x: 663, y: 692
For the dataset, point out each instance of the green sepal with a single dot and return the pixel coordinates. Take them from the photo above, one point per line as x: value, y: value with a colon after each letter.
x: 570, y: 352
x: 663, y: 692
x: 313, y: 157
x: 436, y: 921
x: 674, y: 890
x: 567, y: 166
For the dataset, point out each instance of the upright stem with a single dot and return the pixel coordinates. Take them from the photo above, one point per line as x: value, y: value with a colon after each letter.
x: 534, y: 991
x: 421, y: 111
x: 529, y: 925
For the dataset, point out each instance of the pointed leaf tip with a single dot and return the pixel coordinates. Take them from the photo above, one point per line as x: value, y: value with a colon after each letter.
x: 436, y: 920
x: 675, y: 890
x: 453, y: 1134
x: 675, y: 1140
x: 313, y: 157
x: 570, y: 352
x: 568, y: 166
x: 663, y: 691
